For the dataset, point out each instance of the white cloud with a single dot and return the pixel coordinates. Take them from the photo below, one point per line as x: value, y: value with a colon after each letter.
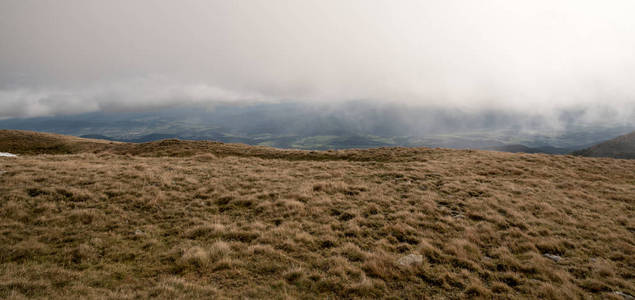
x: 534, y: 56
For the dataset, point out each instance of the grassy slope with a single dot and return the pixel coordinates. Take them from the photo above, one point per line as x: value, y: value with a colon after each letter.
x: 194, y: 219
x: 29, y: 142
x: 619, y: 147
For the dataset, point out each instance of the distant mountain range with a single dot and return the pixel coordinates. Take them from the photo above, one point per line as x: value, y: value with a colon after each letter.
x: 337, y: 126
x: 619, y: 147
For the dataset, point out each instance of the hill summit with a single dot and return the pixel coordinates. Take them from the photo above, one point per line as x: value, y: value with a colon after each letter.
x: 196, y: 219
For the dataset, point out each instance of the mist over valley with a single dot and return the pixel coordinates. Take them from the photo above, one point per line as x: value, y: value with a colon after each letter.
x: 355, y: 124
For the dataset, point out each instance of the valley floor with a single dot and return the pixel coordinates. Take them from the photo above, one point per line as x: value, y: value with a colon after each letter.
x: 475, y: 223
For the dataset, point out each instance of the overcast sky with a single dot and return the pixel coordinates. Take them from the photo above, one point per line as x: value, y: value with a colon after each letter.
x: 77, y: 56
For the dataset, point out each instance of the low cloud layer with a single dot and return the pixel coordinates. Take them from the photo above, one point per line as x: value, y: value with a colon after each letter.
x: 124, y: 95
x: 536, y: 57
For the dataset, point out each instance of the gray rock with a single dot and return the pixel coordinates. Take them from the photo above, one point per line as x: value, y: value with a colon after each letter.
x: 139, y: 232
x: 410, y: 259
x: 624, y: 295
x: 555, y: 258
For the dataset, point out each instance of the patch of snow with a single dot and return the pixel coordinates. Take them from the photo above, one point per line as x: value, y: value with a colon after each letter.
x: 5, y: 154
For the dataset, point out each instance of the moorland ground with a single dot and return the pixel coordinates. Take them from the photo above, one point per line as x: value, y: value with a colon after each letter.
x: 179, y: 219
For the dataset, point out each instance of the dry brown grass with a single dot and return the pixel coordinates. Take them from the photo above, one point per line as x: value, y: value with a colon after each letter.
x: 178, y: 219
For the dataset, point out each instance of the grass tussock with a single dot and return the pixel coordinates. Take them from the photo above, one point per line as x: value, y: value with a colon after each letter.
x: 232, y: 221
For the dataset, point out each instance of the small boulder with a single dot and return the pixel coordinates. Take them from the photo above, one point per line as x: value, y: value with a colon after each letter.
x: 410, y: 259
x: 555, y: 258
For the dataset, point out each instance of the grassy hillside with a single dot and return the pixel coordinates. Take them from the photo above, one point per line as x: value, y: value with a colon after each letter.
x: 176, y: 219
x: 29, y: 142
x: 619, y: 147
